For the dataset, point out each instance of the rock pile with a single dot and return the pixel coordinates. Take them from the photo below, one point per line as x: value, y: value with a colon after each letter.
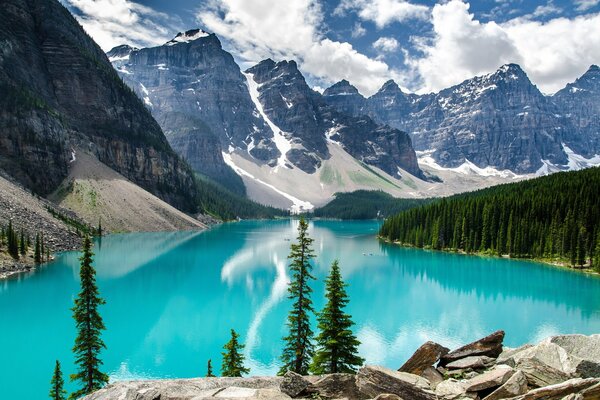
x: 565, y: 367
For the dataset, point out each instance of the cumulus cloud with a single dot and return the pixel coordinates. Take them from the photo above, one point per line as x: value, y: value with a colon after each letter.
x: 552, y: 52
x: 383, y: 12
x: 115, y: 22
x: 258, y: 29
x: 386, y: 44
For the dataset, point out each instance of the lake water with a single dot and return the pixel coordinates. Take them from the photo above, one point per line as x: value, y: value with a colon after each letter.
x: 172, y: 298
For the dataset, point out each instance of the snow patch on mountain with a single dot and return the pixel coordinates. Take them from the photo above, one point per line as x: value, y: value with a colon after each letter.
x: 577, y: 162
x: 466, y: 168
x: 283, y: 144
x: 188, y: 36
x: 299, y: 206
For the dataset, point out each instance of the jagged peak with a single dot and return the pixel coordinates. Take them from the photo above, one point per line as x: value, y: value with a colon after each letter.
x: 120, y: 53
x: 342, y: 87
x: 510, y: 71
x: 188, y: 36
x: 390, y: 86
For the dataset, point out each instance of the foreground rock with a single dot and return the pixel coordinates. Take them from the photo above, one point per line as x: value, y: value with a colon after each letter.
x: 490, y: 346
x: 425, y: 356
x: 558, y: 368
x: 373, y: 381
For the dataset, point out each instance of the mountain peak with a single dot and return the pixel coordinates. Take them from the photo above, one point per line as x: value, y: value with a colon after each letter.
x: 390, y: 86
x: 187, y: 36
x: 341, y: 88
x: 120, y: 53
x: 510, y: 71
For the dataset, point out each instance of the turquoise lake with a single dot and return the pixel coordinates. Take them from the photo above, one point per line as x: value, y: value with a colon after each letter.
x: 172, y: 298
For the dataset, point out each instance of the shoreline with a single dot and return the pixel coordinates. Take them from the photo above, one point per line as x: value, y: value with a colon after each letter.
x: 545, y: 261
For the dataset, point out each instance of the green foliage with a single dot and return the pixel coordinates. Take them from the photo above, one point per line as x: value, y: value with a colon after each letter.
x: 233, y: 359
x: 89, y: 324
x: 80, y: 227
x: 366, y: 204
x: 57, y: 384
x: 337, y: 347
x: 552, y: 217
x: 298, y: 349
x: 37, y: 253
x: 209, y: 370
x: 12, y: 241
x: 221, y: 203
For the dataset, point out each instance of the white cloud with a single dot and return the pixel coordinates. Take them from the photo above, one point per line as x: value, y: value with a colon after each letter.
x: 546, y: 9
x: 383, y: 12
x: 358, y: 30
x: 583, y: 5
x: 386, y: 44
x: 552, y: 53
x: 115, y: 22
x: 258, y: 29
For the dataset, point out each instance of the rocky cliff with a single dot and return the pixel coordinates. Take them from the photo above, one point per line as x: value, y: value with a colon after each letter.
x: 60, y: 91
x: 565, y: 367
x: 499, y: 120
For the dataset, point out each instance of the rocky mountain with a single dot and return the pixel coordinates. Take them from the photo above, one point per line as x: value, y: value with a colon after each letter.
x: 580, y: 103
x: 500, y: 120
x: 59, y: 91
x: 268, y: 114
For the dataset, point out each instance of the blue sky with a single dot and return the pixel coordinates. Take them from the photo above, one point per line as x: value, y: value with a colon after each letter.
x: 423, y: 45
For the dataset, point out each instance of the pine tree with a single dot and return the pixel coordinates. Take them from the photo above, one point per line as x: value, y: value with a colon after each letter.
x: 233, y: 359
x: 298, y: 349
x: 37, y: 254
x: 209, y: 371
x: 22, y: 244
x: 99, y: 227
x: 337, y: 347
x: 13, y: 241
x: 57, y: 391
x: 88, y: 321
x: 596, y: 260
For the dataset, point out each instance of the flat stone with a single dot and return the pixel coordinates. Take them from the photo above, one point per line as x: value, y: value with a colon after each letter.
x: 584, y: 352
x: 490, y: 346
x: 373, y: 381
x: 563, y: 389
x: 387, y: 396
x: 293, y: 384
x: 540, y: 374
x: 433, y: 376
x: 426, y: 356
x: 473, y: 362
x: 493, y: 378
x: 506, y: 357
x: 336, y: 386
x: 452, y: 389
x: 516, y: 385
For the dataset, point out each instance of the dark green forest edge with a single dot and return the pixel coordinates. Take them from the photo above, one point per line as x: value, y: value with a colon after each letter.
x: 552, y: 219
x: 366, y: 204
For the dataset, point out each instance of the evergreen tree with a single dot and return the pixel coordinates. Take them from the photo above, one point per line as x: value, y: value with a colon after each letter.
x: 209, y: 371
x: 298, y: 348
x: 337, y: 347
x: 13, y: 241
x: 22, y: 244
x: 233, y: 359
x: 100, y: 227
x: 57, y: 391
x: 37, y: 254
x: 596, y: 260
x: 88, y: 321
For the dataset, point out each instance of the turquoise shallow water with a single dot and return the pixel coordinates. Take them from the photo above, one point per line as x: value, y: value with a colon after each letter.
x: 172, y: 298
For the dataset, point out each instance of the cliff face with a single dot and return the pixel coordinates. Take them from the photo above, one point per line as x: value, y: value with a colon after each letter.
x: 62, y: 92
x: 500, y: 120
x: 197, y: 93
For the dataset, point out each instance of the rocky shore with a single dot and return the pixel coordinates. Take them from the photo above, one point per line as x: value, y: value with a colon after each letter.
x: 565, y: 367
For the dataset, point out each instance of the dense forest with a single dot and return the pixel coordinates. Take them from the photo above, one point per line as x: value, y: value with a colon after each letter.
x: 552, y: 217
x: 366, y: 204
x: 223, y: 204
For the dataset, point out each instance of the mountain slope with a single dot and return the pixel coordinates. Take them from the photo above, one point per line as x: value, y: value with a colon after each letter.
x: 62, y: 92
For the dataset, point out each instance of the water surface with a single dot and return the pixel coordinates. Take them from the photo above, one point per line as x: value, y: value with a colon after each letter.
x: 172, y: 298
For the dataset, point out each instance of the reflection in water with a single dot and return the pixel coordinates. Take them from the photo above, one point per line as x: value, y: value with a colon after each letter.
x: 173, y: 297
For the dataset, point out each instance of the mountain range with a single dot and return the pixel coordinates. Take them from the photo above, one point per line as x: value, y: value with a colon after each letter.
x: 265, y: 133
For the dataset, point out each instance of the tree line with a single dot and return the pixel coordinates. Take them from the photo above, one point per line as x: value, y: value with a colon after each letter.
x: 366, y: 204
x: 18, y: 244
x: 553, y: 217
x: 334, y: 349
